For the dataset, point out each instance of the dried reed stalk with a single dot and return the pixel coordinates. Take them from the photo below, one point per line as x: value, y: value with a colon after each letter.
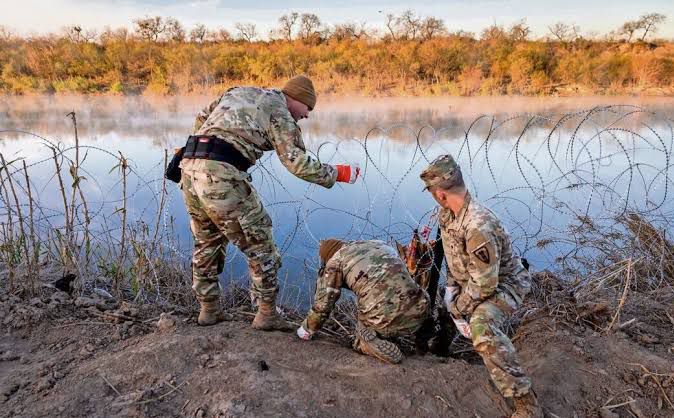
x: 33, y: 262
x: 8, y: 232
x: 66, y: 250
x: 24, y: 241
x: 123, y: 165
x: 162, y: 201
x: 623, y: 298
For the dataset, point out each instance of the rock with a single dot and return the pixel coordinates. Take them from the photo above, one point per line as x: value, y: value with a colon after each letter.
x: 43, y: 370
x: 201, y: 413
x: 84, y: 302
x: 37, y: 302
x: 636, y: 410
x: 103, y: 293
x: 239, y: 408
x: 65, y: 283
x: 106, y: 305
x: 607, y: 413
x: 262, y: 366
x: 9, y: 388
x: 44, y: 384
x: 58, y: 375
x: 648, y: 339
x: 24, y: 360
x: 128, y: 310
x: 8, y: 356
x: 166, y: 322
x: 204, y: 359
x: 87, y: 350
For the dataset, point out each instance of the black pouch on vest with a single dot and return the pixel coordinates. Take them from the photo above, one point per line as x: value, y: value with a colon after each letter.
x: 173, y: 168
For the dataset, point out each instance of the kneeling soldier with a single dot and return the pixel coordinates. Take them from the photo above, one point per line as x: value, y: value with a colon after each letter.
x: 486, y: 282
x: 390, y: 303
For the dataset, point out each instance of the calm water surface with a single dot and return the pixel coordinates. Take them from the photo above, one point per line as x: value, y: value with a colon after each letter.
x: 535, y: 167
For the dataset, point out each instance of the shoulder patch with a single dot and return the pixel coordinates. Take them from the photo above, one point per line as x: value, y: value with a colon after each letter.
x: 481, y: 246
x: 482, y: 254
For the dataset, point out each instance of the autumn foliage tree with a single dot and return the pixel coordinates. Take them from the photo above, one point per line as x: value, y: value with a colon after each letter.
x: 410, y: 54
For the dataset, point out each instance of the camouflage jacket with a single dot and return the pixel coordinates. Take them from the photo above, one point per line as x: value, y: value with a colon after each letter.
x: 388, y: 299
x: 480, y: 256
x: 255, y: 120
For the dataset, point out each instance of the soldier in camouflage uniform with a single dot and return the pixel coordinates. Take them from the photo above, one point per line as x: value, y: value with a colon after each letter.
x: 221, y: 201
x: 389, y: 302
x: 487, y: 281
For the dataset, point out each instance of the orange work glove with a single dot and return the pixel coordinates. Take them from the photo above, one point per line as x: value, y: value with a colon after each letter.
x: 347, y: 173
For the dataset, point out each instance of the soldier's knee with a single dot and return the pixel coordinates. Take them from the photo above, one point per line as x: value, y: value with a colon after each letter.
x: 265, y: 265
x: 483, y: 330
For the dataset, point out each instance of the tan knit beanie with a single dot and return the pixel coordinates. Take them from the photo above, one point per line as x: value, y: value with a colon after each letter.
x: 301, y: 89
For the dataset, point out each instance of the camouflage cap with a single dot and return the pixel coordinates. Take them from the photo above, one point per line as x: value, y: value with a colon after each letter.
x: 441, y: 171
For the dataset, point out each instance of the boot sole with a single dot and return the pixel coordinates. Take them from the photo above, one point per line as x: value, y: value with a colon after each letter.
x: 371, y: 345
x: 387, y: 351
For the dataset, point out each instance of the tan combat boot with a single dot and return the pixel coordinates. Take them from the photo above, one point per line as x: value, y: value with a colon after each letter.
x: 267, y: 319
x: 210, y: 313
x: 368, y: 343
x: 526, y: 406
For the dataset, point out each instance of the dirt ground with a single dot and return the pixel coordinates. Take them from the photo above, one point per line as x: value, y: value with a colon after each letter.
x: 85, y: 357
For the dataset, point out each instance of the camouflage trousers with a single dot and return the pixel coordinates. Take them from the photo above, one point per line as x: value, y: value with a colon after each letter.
x: 494, y: 346
x: 398, y: 316
x: 223, y: 208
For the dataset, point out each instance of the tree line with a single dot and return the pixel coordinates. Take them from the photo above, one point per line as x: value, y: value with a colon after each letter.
x: 410, y: 54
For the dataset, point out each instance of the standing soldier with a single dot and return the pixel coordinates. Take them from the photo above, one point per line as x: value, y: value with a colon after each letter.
x: 230, y: 135
x: 390, y: 303
x: 486, y: 282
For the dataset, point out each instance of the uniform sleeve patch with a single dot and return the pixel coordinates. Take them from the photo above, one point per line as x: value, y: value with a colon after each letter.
x: 482, y: 254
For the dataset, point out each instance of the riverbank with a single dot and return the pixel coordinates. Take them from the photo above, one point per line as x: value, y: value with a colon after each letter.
x: 89, y: 356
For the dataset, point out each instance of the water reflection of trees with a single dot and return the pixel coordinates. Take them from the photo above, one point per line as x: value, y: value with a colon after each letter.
x: 169, y: 119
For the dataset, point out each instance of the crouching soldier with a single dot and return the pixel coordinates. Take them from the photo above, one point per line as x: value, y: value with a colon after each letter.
x: 230, y: 135
x: 390, y: 303
x: 486, y: 282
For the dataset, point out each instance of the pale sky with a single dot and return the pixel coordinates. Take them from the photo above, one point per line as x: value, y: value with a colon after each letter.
x: 40, y: 16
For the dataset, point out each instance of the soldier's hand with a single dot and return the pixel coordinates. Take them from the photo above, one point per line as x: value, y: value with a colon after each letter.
x: 347, y: 173
x: 463, y: 327
x: 454, y: 311
x: 303, y: 334
x: 450, y: 295
x: 464, y: 305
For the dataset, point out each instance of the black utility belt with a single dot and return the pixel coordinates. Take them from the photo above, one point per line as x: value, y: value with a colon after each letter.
x: 211, y: 147
x: 207, y: 147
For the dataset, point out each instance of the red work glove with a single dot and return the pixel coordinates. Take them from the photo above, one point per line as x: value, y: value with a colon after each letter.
x: 347, y: 173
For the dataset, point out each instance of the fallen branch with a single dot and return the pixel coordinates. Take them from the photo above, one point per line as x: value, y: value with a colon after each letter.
x: 655, y: 378
x: 153, y: 399
x: 111, y: 385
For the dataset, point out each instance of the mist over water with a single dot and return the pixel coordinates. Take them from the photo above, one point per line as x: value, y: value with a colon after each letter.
x: 538, y: 169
